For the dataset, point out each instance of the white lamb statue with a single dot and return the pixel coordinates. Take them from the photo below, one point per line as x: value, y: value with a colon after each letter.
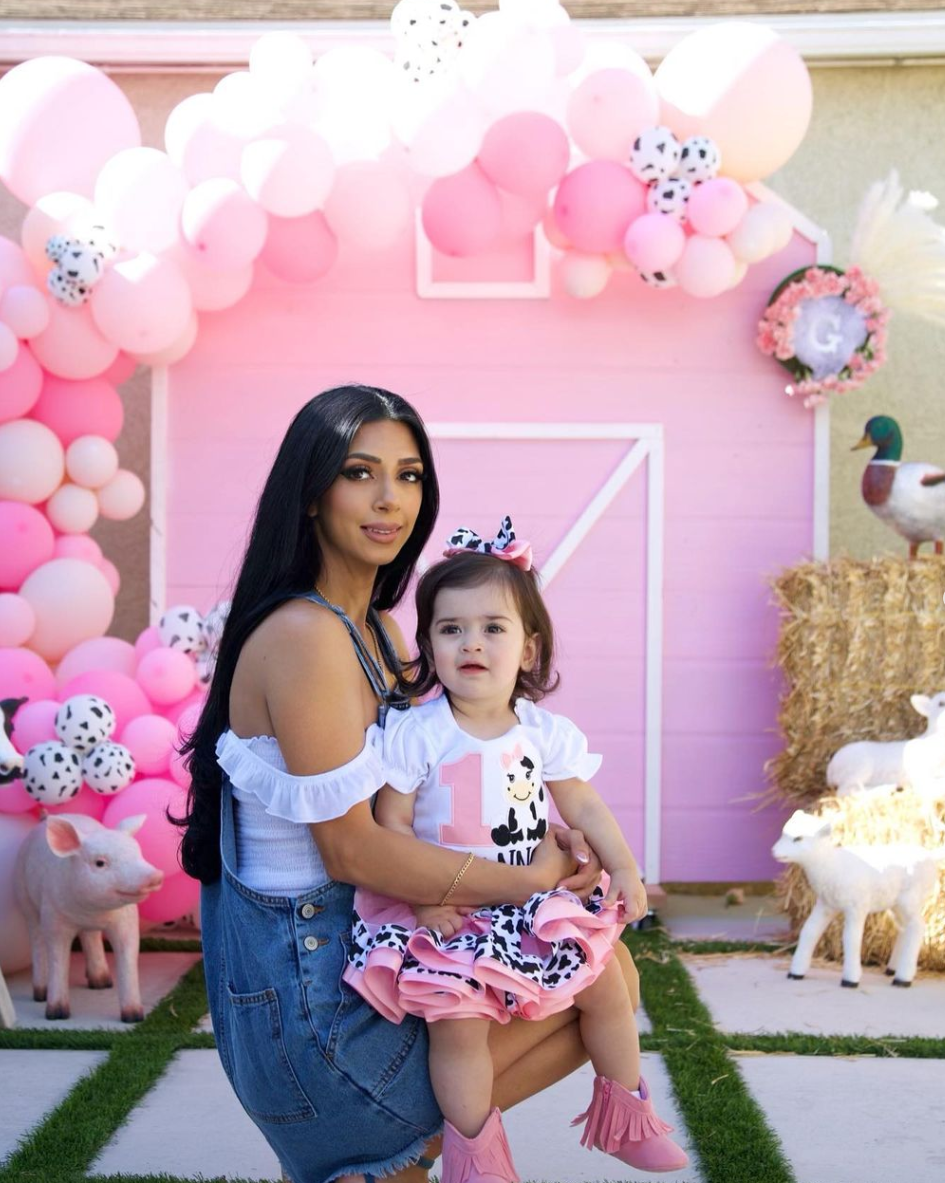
x: 857, y: 880
x: 905, y: 763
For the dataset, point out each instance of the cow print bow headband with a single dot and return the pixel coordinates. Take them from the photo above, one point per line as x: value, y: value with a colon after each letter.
x: 504, y: 546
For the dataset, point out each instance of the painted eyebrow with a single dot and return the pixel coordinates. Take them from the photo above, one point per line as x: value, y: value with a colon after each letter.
x: 377, y: 459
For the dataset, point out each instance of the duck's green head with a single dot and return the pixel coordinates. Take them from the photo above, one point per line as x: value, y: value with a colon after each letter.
x: 882, y: 433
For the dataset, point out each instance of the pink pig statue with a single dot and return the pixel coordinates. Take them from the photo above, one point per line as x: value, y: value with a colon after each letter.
x: 75, y: 876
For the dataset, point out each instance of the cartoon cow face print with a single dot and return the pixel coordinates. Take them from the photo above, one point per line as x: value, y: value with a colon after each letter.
x: 525, y: 794
x: 519, y: 773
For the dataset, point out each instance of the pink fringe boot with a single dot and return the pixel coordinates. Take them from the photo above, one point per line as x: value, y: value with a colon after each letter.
x: 483, y: 1159
x: 626, y: 1127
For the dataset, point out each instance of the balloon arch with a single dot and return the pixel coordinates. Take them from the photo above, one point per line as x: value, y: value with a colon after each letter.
x: 495, y: 127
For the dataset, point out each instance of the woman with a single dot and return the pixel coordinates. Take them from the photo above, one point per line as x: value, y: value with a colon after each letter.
x: 282, y: 788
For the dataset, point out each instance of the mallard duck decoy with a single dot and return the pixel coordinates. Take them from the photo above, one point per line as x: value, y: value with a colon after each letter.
x: 909, y: 497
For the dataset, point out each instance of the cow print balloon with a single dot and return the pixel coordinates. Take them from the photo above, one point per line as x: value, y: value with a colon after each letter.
x: 108, y: 768
x: 85, y: 720
x: 669, y: 197
x: 654, y: 155
x: 181, y: 628
x: 52, y: 772
x: 699, y: 160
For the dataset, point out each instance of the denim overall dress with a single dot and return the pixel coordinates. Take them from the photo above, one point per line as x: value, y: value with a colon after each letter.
x: 334, y: 1088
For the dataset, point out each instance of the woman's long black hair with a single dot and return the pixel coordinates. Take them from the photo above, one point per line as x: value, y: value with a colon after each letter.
x: 283, y: 558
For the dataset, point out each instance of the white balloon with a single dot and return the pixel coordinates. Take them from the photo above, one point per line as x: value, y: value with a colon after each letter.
x: 281, y: 62
x: 139, y: 194
x: 584, y: 276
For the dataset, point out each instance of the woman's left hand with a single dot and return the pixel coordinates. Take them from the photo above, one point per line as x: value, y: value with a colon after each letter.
x: 587, y: 877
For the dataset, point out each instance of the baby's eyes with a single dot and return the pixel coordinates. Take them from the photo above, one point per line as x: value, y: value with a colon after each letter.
x: 446, y: 630
x: 495, y: 628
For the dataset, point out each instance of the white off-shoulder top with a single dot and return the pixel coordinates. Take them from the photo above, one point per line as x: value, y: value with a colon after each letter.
x: 276, y: 853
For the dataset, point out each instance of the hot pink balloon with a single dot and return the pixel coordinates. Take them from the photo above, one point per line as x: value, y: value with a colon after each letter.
x: 24, y: 674
x: 222, y: 224
x: 72, y: 602
x: 78, y: 115
x: 98, y: 653
x: 148, y: 639
x: 71, y: 346
x: 78, y: 546
x: 300, y: 250
x: 151, y: 740
x: 123, y: 694
x: 74, y: 409
x: 35, y: 722
x: 166, y: 675
x: 526, y: 153
x: 17, y: 620
x: 706, y: 267
x: 158, y: 839
x: 596, y: 203
x: 609, y: 109
x: 26, y: 541
x: 86, y: 802
x: 654, y: 242
x: 462, y: 214
x: 32, y: 461
x: 20, y: 384
x: 15, y: 799
x: 178, y: 896
x: 142, y: 304
x: 24, y: 310
x: 716, y: 207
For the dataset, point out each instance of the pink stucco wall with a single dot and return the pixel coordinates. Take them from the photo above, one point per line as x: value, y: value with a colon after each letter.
x: 739, y: 474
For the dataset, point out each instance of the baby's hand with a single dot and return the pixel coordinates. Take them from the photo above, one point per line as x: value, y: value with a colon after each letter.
x: 444, y: 919
x: 627, y: 891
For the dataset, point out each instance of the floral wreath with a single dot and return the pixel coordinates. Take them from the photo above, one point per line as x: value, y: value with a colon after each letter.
x: 827, y: 327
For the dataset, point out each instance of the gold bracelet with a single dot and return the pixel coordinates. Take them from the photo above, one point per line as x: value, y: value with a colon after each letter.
x: 462, y: 871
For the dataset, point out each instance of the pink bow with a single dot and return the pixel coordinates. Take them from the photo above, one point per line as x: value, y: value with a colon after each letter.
x: 504, y: 546
x: 510, y: 758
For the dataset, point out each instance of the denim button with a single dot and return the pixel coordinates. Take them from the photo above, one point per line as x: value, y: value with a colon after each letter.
x: 311, y: 943
x: 308, y: 911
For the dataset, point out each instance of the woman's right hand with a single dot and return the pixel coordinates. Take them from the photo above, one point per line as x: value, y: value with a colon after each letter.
x: 550, y: 863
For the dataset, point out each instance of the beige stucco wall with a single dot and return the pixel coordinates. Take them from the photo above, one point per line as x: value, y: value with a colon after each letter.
x: 866, y: 121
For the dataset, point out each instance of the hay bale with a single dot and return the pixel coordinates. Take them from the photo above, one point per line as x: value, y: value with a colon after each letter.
x: 857, y: 639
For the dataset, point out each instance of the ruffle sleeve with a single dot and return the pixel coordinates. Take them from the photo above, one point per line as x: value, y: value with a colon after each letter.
x: 406, y: 750
x: 563, y: 746
x: 316, y: 798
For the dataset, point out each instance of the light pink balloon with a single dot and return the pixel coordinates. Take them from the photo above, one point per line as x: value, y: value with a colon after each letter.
x: 526, y: 153
x: 14, y: 265
x: 54, y: 213
x: 158, y: 839
x: 654, y: 242
x: 72, y: 602
x: 139, y: 194
x: 91, y: 461
x: 166, y: 675
x: 99, y: 653
x: 745, y: 88
x: 32, y: 463
x: 17, y: 620
x: 123, y: 694
x: 182, y: 710
x: 35, y: 722
x: 369, y: 205
x: 177, y: 350
x: 595, y: 204
x: 75, y: 409
x: 112, y: 574
x: 20, y: 383
x: 71, y: 346
x: 9, y: 347
x: 210, y: 291
x: 178, y: 896
x: 222, y: 224
x: 716, y: 207
x: 288, y: 170
x: 151, y: 740
x: 24, y: 674
x: 24, y: 309
x: 142, y: 304
x: 706, y: 267
x: 72, y: 509
x: 26, y: 541
x: 609, y: 109
x: 520, y: 215
x: 122, y: 497
x: 462, y: 214
x: 178, y: 772
x: 148, y: 639
x: 120, y: 370
x: 86, y: 802
x: 199, y: 146
x: 75, y: 112
x: 300, y: 250
x: 78, y: 546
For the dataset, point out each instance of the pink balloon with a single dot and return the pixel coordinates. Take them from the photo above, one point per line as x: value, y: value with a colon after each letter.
x: 175, y: 351
x: 86, y: 802
x: 72, y: 602
x: 288, y: 170
x: 520, y: 215
x: 26, y: 541
x: 151, y: 740
x: 54, y: 213
x: 35, y: 722
x: 462, y: 214
x: 716, y: 207
x: 300, y: 250
x: 553, y: 232
x: 609, y: 109
x: 9, y: 347
x: 193, y: 703
x: 112, y: 574
x: 139, y: 194
x: 24, y: 674
x: 222, y: 224
x: 199, y: 146
x: 98, y: 653
x: 72, y: 509
x: 148, y: 639
x: 120, y: 370
x: 123, y: 694
x: 25, y: 310
x: 142, y: 304
x: 178, y: 896
x: 15, y: 799
x: 15, y: 266
x: 71, y: 346
x: 526, y: 153
x: 210, y: 290
x: 595, y: 204
x: 166, y: 675
x: 78, y: 546
x: 654, y: 242
x: 74, y: 409
x: 78, y: 116
x: 122, y: 497
x: 179, y: 773
x: 158, y: 839
x: 706, y: 267
x: 189, y: 718
x: 369, y: 205
x: 745, y: 88
x: 32, y: 462
x: 17, y: 620
x: 20, y: 384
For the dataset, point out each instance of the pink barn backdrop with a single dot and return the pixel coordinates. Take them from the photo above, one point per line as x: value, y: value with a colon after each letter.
x: 735, y: 454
